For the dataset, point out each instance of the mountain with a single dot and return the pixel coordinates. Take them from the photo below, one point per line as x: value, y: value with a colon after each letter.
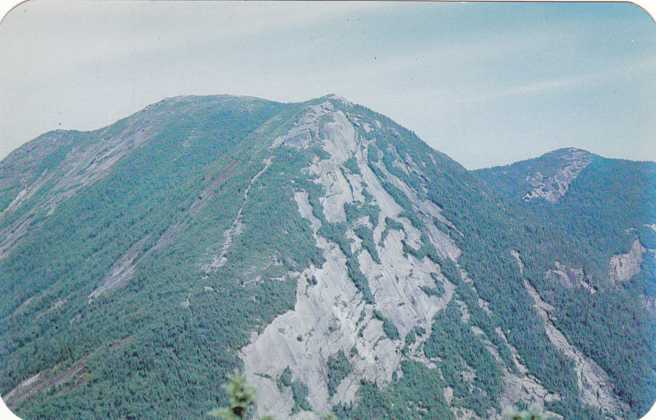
x: 605, y: 209
x: 331, y: 255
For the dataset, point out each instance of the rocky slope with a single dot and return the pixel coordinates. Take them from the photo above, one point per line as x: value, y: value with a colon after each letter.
x: 328, y: 252
x: 604, y: 213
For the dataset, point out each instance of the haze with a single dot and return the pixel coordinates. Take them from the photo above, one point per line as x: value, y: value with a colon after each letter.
x: 485, y: 83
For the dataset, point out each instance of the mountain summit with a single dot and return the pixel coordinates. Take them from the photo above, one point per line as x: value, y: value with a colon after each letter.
x: 330, y: 254
x: 546, y: 178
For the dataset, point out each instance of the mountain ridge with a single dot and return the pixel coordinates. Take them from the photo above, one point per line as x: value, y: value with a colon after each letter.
x: 343, y: 263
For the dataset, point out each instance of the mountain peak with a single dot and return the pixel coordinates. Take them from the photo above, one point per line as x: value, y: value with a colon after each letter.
x: 553, y: 183
x: 254, y: 233
x: 335, y: 97
x: 546, y: 177
x: 567, y: 153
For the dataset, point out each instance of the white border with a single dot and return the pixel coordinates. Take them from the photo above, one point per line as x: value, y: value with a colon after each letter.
x: 7, y: 5
x: 5, y: 413
x: 648, y: 6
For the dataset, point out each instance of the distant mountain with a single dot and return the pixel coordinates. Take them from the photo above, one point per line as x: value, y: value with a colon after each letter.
x: 546, y: 178
x: 328, y: 252
x: 602, y: 205
x: 604, y: 210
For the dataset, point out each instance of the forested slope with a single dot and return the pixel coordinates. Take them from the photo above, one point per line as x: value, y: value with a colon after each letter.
x: 330, y: 254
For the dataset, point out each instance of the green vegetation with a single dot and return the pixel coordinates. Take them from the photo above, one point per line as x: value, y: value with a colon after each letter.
x: 369, y: 209
x: 390, y: 224
x: 604, y: 211
x: 146, y: 354
x: 160, y: 345
x: 300, y: 393
x: 388, y: 326
x: 367, y: 236
x: 241, y: 397
x: 336, y: 233
x: 299, y: 390
x: 438, y: 290
x: 285, y: 378
x: 352, y: 165
x: 453, y: 342
x: 415, y: 395
x: 339, y: 368
x: 532, y: 414
x: 489, y: 231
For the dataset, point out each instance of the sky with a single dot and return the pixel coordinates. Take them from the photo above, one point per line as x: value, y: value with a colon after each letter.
x: 485, y: 83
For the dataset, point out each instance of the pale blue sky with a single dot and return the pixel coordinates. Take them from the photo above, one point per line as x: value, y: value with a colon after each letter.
x: 485, y: 83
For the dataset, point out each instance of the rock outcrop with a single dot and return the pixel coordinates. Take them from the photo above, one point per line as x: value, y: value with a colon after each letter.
x: 623, y: 267
x: 552, y: 187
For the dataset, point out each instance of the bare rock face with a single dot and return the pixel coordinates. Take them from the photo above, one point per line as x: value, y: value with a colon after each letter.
x: 121, y: 272
x: 331, y: 315
x: 594, y: 384
x: 553, y: 187
x: 58, y: 377
x: 569, y: 277
x: 523, y: 386
x: 83, y: 164
x: 624, y: 266
x: 320, y: 247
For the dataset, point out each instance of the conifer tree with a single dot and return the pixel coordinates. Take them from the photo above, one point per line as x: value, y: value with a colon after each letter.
x: 241, y: 399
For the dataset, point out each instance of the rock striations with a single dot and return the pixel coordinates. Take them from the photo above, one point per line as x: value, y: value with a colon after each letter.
x: 327, y: 252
